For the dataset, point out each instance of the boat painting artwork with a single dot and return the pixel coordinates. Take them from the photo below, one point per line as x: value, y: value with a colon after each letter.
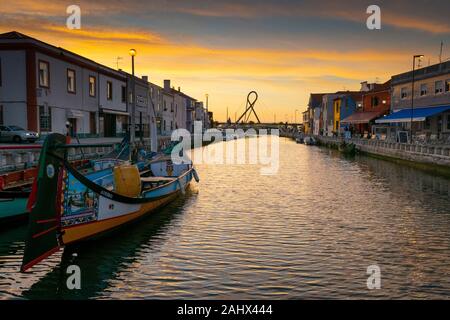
x: 15, y: 187
x: 87, y: 207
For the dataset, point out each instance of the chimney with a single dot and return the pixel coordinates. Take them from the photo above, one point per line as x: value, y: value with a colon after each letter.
x: 365, y: 86
x: 145, y: 78
x: 179, y: 89
x: 167, y: 85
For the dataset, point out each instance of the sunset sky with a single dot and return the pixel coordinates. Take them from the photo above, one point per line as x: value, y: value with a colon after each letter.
x: 282, y: 49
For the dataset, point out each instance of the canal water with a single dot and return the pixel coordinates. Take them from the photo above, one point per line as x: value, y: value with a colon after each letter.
x: 311, y: 231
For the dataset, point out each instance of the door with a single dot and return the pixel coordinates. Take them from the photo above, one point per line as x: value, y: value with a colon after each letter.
x: 92, y: 123
x: 440, y: 124
x: 110, y: 125
x: 73, y: 127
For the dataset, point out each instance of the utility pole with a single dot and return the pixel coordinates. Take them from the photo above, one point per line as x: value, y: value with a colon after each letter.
x: 440, y: 53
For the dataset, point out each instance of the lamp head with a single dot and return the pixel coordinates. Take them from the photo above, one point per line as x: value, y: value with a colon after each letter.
x: 419, y: 56
x: 132, y: 52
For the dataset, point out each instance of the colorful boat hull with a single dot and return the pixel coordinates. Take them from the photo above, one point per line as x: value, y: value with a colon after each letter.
x: 13, y: 209
x: 72, y: 207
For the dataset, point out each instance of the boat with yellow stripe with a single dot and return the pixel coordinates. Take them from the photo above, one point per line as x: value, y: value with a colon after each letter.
x: 71, y: 207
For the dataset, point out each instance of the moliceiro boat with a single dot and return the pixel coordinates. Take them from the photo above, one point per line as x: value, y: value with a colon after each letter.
x: 68, y: 207
x: 15, y: 187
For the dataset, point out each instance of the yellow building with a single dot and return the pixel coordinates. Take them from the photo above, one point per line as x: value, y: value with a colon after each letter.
x: 337, y: 114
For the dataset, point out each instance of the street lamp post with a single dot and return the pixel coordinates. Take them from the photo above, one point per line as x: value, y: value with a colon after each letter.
x: 133, y: 100
x: 418, y: 56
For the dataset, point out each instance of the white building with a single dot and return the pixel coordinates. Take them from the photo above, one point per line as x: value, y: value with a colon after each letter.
x: 168, y: 110
x: 180, y: 109
x: 44, y: 86
x: 427, y: 116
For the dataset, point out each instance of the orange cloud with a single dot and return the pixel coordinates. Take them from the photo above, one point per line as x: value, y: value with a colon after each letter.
x: 283, y: 77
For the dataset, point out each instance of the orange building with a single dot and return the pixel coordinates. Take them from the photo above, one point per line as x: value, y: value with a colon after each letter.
x: 376, y: 102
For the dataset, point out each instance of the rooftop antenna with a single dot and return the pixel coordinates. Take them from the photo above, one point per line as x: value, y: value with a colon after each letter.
x: 419, y: 65
x: 117, y: 62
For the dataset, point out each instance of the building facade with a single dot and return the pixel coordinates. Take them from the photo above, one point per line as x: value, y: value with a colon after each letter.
x: 156, y: 100
x: 46, y: 89
x: 427, y: 108
x: 345, y: 105
x: 306, y: 122
x: 376, y: 102
x: 315, y: 106
x: 43, y: 87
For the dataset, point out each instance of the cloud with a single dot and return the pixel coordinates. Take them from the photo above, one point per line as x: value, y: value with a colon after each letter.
x: 284, y: 75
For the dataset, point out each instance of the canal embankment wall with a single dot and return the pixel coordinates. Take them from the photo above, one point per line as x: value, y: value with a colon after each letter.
x: 429, y: 157
x: 14, y: 157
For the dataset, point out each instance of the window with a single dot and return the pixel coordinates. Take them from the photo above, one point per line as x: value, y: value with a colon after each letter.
x: 44, y: 74
x: 171, y: 107
x: 165, y: 129
x: 448, y: 122
x: 404, y: 93
x: 45, y: 119
x: 71, y: 81
x: 447, y: 83
x: 423, y: 90
x: 1, y: 115
x: 124, y: 94
x: 375, y: 102
x: 92, y: 86
x: 439, y: 87
x: 109, y: 90
x: 165, y: 109
x: 0, y: 72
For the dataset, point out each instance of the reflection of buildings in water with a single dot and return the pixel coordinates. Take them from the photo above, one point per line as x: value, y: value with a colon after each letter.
x: 401, y: 178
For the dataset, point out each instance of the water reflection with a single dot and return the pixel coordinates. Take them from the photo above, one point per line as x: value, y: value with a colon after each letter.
x: 100, y: 260
x: 309, y: 232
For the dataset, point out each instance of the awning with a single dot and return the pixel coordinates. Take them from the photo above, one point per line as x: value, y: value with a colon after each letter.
x: 361, y: 117
x: 71, y: 114
x: 418, y: 114
x: 110, y: 111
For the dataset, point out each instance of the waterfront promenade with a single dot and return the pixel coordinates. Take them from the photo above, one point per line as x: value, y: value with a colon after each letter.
x: 429, y: 154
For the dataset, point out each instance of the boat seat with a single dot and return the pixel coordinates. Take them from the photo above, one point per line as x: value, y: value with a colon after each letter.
x: 156, y: 179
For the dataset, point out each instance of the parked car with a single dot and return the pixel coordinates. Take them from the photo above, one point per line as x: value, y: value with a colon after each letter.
x: 17, y: 134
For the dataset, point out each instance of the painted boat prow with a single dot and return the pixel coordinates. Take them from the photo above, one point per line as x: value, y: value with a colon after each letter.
x: 42, y: 239
x: 83, y: 208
